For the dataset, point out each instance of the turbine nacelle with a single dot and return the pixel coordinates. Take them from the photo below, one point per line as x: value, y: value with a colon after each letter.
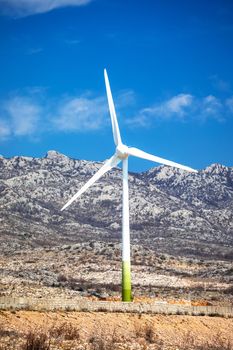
x: 122, y: 151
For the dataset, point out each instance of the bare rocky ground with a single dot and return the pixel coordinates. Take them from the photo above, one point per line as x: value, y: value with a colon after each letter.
x: 93, y: 270
x: 25, y: 330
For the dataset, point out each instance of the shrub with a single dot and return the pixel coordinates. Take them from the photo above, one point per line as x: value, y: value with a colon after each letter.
x: 65, y: 331
x: 36, y: 340
x: 228, y: 290
x: 61, y: 278
x: 7, y: 333
x: 100, y: 340
x: 149, y: 334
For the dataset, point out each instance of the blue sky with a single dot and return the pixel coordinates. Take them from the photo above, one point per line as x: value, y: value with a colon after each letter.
x: 170, y: 65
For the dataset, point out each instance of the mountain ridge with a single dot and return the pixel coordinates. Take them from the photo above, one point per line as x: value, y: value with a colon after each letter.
x: 170, y: 210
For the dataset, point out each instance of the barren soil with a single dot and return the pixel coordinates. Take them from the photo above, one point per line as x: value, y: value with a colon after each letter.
x: 130, y: 331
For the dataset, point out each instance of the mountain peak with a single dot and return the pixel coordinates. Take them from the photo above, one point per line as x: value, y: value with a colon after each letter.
x: 216, y: 169
x: 54, y: 155
x: 163, y: 172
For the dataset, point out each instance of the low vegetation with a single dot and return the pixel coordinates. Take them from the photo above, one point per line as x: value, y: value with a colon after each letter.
x: 67, y: 336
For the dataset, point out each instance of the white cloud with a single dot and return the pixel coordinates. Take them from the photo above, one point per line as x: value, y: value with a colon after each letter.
x: 184, y: 107
x: 211, y: 107
x: 20, y: 117
x: 125, y: 98
x: 32, y: 114
x: 140, y: 120
x: 81, y: 114
x: 22, y: 8
x: 175, y: 107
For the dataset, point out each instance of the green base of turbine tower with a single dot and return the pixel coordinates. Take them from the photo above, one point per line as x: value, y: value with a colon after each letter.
x: 126, y: 282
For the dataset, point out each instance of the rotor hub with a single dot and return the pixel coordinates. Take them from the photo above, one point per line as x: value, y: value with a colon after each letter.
x: 122, y: 151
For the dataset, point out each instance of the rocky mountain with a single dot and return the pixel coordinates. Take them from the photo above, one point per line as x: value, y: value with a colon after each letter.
x: 171, y: 211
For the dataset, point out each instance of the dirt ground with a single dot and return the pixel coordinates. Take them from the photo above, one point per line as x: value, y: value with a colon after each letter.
x: 81, y: 330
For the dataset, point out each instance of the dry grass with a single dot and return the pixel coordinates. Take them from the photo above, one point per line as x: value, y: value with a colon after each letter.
x: 37, y: 340
x: 144, y: 336
x: 102, y: 341
x: 64, y: 331
x: 190, y: 342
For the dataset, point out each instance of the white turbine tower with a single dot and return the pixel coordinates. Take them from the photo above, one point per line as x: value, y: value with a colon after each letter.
x: 122, y: 153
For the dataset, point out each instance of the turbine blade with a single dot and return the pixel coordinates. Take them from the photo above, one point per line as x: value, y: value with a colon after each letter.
x: 141, y: 154
x: 108, y: 165
x: 115, y: 127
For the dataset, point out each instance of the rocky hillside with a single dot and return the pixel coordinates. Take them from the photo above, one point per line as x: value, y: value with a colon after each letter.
x: 171, y: 211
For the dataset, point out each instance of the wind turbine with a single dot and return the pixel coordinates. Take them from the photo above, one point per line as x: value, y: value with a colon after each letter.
x: 121, y: 155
